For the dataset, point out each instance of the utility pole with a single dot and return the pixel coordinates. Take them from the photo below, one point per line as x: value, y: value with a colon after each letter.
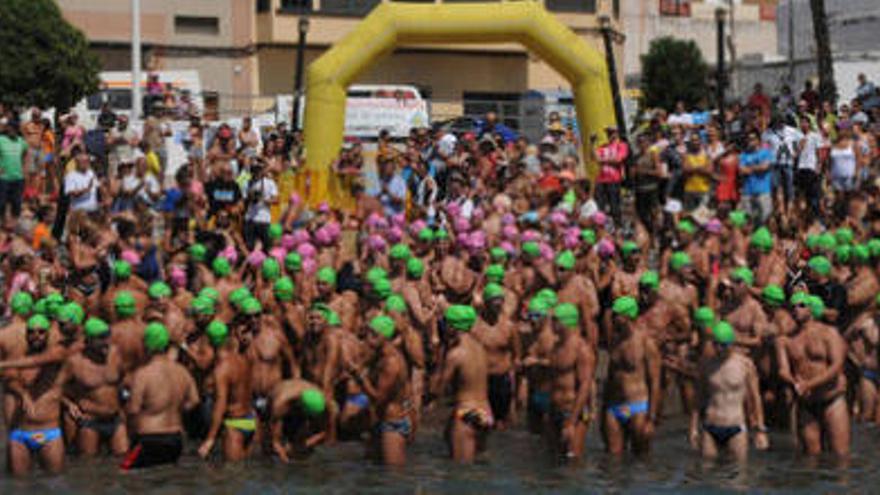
x: 136, y: 99
x: 720, y: 76
x: 303, y: 27
x: 791, y: 7
x: 607, y: 33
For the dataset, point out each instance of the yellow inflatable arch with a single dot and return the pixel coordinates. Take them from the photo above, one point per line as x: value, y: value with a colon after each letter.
x: 393, y: 24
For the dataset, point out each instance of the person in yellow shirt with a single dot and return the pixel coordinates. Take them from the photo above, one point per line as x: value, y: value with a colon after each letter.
x: 697, y: 171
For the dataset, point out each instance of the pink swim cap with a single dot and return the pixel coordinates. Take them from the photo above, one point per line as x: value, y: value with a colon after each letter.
x: 178, y: 276
x: 310, y: 266
x: 477, y: 240
x: 507, y: 247
x: 531, y: 236
x: 546, y: 251
x: 376, y: 221
x: 294, y: 199
x: 131, y: 257
x: 508, y: 219
x: 606, y: 248
x: 323, y: 237
x: 306, y: 250
x: 278, y: 253
x: 510, y: 232
x: 462, y: 224
x: 394, y: 234
x: 599, y: 218
x: 300, y: 236
x: 323, y: 207
x: 398, y: 219
x: 558, y: 218
x: 416, y: 227
x: 288, y: 241
x: 571, y: 241
x: 256, y: 257
x: 714, y: 226
x: 478, y: 214
x: 453, y: 210
x: 376, y: 243
x: 230, y: 253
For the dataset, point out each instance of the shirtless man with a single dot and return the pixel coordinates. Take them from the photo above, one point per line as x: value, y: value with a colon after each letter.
x: 124, y: 282
x: 632, y: 391
x: 96, y: 374
x: 421, y: 309
x: 225, y: 282
x: 578, y: 289
x: 34, y: 427
x: 811, y: 360
x: 398, y: 256
x: 161, y: 308
x: 161, y: 391
x: 454, y: 279
x: 232, y: 377
x: 728, y: 388
x: 503, y: 352
x: 13, y: 342
x: 625, y: 282
x: 385, y: 380
x: 743, y: 311
x: 770, y: 267
x: 537, y: 372
x: 863, y: 337
x: 466, y: 370
x: 128, y: 330
x: 775, y: 394
x: 342, y: 304
x: 300, y: 418
x: 572, y: 365
x: 290, y: 312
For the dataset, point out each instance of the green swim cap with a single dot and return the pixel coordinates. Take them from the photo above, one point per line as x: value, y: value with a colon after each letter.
x: 498, y: 254
x: 283, y: 289
x: 159, y: 290
x: 567, y: 314
x: 382, y: 288
x: 221, y: 266
x: 202, y: 305
x: 198, y: 252
x: 375, y: 273
x: 539, y: 306
x: 862, y: 254
x: 426, y: 235
x: 799, y: 298
x: 492, y: 291
x: 237, y: 296
x: 415, y: 268
x: 251, y: 306
x: 844, y: 235
x: 275, y: 231
x: 383, y: 325
x: 686, y: 226
x: 95, y: 327
x: 122, y: 270
x: 743, y: 274
x: 874, y: 247
x: 704, y: 317
x: 441, y: 235
x: 820, y: 265
x: 650, y: 279
x: 271, y: 269
x: 773, y: 295
x: 156, y: 337
x: 565, y: 260
x: 723, y: 333
x: 461, y: 317
x: 843, y: 253
x: 40, y: 307
x: 628, y: 248
x: 399, y: 251
x: 38, y: 322
x: 217, y: 333
x: 679, y: 260
x: 293, y: 262
x: 626, y: 306
x: 817, y: 306
x: 827, y: 242
x: 54, y: 301
x: 71, y: 313
x: 548, y: 295
x: 531, y: 248
x: 812, y: 242
x: 762, y: 239
x: 738, y: 218
x: 125, y: 303
x: 329, y: 315
x: 313, y: 402
x: 21, y: 303
x: 211, y: 293
x: 327, y: 275
x: 395, y: 304
x: 495, y: 273
x: 588, y: 236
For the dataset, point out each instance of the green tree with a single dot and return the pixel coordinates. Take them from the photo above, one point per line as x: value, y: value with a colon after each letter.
x: 673, y: 70
x: 45, y: 60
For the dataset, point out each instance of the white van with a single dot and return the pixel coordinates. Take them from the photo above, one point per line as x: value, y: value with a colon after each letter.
x: 117, y: 92
x: 372, y: 108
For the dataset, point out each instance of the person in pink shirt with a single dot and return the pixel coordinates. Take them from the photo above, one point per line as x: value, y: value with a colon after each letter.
x: 611, y: 157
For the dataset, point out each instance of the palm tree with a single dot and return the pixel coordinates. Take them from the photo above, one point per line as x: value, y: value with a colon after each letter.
x: 827, y: 89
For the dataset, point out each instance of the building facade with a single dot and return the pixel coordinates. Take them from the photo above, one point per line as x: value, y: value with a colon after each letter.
x: 245, y: 51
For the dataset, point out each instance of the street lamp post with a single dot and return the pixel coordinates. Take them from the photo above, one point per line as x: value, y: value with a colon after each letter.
x: 136, y: 106
x: 300, y: 62
x: 720, y: 79
x: 607, y: 34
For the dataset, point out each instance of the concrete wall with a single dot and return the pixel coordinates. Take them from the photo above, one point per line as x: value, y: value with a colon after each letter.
x: 854, y: 26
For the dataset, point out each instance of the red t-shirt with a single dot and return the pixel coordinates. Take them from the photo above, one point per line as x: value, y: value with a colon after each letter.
x: 611, y: 158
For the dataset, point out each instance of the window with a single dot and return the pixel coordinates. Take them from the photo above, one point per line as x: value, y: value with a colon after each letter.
x: 675, y: 8
x: 196, y: 25
x: 296, y: 6
x: 348, y: 7
x: 507, y: 107
x: 263, y: 6
x: 588, y: 6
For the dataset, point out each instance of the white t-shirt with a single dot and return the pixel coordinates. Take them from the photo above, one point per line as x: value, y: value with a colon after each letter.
x: 808, y: 158
x: 151, y: 186
x: 77, y: 181
x: 266, y: 191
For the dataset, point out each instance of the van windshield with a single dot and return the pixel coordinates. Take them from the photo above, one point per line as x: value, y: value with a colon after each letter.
x: 119, y: 99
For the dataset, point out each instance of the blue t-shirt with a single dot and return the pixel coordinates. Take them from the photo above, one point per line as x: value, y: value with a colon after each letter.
x: 761, y: 183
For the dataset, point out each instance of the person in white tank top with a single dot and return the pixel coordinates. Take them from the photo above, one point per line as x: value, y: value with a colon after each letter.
x: 845, y: 159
